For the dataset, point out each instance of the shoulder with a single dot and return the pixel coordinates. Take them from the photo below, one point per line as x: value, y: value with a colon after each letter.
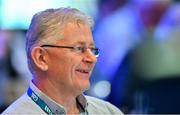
x: 23, y: 105
x: 98, y: 106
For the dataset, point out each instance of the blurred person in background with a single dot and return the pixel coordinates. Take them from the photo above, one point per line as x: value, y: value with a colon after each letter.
x: 124, y: 31
x: 157, y: 62
x: 61, y: 55
x: 4, y: 66
x: 12, y: 85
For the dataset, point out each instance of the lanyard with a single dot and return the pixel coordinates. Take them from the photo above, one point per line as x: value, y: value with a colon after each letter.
x: 86, y: 112
x: 39, y: 102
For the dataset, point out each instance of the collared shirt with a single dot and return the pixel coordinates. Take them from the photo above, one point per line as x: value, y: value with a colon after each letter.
x: 86, y: 104
x: 56, y: 107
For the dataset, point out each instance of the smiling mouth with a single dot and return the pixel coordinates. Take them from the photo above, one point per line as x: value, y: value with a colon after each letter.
x: 83, y: 71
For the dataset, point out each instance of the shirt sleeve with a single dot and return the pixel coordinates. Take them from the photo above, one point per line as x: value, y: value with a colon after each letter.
x: 114, y: 110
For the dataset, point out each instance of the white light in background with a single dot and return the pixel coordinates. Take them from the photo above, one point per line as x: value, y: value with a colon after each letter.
x: 17, y: 14
x: 102, y: 89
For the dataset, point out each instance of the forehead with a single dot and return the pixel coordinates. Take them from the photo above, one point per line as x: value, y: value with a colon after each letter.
x: 77, y: 33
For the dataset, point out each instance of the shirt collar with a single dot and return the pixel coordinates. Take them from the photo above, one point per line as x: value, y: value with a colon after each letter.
x: 56, y: 107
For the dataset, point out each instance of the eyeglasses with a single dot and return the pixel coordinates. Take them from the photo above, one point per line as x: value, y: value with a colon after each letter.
x: 78, y: 49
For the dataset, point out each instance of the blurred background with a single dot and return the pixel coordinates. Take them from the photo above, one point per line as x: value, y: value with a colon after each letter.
x: 138, y: 69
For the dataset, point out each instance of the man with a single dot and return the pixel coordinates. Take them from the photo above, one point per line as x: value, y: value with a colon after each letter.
x: 61, y: 56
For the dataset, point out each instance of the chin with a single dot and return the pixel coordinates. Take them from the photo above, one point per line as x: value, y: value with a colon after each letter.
x: 84, y: 87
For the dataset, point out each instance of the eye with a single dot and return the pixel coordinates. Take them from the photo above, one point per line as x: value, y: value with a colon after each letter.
x: 92, y: 49
x: 79, y: 48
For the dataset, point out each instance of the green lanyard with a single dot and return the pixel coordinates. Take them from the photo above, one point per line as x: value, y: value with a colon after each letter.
x: 39, y: 102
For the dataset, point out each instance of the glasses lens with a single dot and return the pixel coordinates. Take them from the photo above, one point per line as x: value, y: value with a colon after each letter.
x: 96, y: 52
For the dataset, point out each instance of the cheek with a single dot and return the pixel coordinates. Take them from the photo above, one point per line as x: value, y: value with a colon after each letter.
x: 73, y: 65
x: 61, y: 72
x: 67, y: 67
x: 58, y: 65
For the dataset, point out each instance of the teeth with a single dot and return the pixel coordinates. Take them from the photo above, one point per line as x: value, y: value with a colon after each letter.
x: 83, y: 71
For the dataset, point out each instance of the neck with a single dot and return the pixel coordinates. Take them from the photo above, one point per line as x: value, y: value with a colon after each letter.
x: 59, y: 95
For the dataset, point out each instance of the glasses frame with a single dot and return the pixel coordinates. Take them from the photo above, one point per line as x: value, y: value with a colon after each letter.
x: 95, y: 51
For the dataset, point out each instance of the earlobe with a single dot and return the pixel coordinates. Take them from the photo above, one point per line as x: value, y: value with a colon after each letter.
x: 38, y: 55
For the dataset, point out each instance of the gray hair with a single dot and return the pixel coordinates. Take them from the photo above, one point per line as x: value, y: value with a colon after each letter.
x: 47, y: 24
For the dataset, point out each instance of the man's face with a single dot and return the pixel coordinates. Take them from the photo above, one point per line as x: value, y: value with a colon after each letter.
x: 68, y: 69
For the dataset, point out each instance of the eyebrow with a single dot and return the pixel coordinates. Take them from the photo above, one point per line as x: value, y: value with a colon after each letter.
x: 83, y: 43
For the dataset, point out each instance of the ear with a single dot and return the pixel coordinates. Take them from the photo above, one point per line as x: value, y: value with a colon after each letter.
x: 39, y: 58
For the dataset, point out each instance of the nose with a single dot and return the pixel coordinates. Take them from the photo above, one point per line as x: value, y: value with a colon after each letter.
x: 89, y: 57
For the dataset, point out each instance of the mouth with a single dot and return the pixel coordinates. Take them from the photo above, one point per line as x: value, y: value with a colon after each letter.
x: 83, y: 72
